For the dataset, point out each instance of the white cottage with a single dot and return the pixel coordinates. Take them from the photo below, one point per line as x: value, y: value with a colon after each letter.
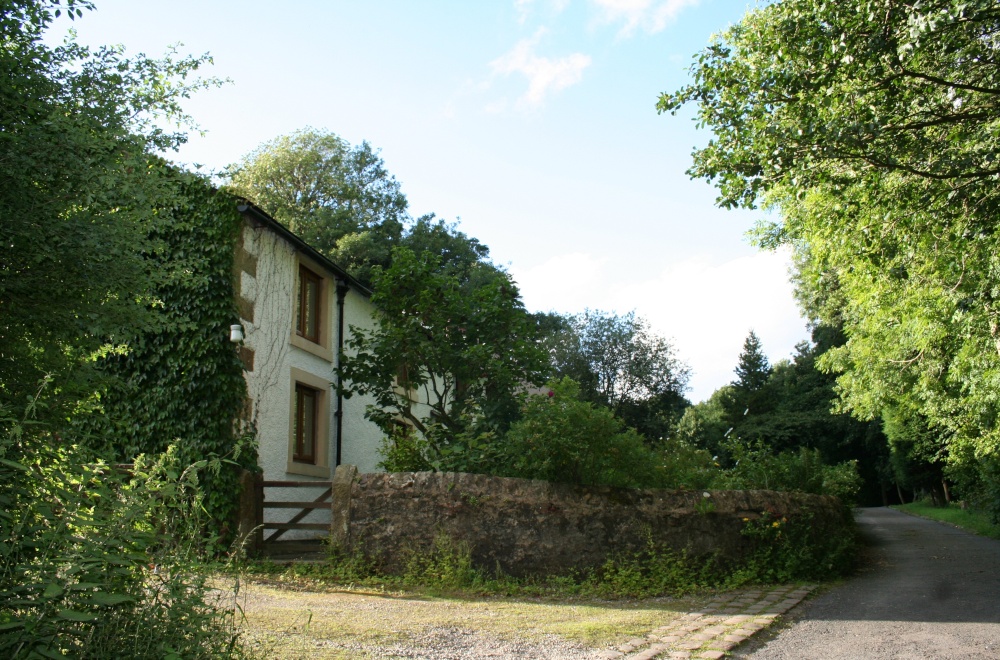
x: 295, y: 307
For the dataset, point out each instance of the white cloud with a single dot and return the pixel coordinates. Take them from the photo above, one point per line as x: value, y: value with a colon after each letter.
x: 651, y: 15
x: 544, y: 75
x: 706, y: 308
x: 565, y: 283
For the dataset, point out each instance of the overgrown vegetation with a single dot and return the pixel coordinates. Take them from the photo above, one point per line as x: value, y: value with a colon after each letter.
x: 102, y: 563
x: 778, y: 551
x: 115, y: 289
x: 178, y: 381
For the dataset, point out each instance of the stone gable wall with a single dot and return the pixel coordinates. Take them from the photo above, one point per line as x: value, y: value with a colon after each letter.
x: 530, y: 527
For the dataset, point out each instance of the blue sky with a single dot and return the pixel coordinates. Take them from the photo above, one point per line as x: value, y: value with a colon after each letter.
x: 532, y: 122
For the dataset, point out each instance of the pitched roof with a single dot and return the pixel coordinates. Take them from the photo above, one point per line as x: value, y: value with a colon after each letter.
x: 248, y: 208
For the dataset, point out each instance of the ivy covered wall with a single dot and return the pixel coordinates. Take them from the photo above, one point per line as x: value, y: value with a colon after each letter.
x: 180, y: 381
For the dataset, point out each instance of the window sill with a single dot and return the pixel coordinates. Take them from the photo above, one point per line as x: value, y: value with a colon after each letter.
x: 308, y: 470
x: 312, y: 347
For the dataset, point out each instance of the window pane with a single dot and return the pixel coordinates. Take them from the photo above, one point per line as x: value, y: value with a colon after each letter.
x: 305, y: 413
x: 309, y: 426
x: 308, y: 312
x: 312, y: 309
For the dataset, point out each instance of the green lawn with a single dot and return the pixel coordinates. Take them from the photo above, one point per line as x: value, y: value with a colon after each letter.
x: 973, y: 521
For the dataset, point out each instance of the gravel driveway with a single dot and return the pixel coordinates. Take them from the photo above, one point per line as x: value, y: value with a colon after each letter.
x: 929, y: 590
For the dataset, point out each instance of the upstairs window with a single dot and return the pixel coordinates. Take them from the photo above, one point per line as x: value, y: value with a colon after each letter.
x: 309, y: 312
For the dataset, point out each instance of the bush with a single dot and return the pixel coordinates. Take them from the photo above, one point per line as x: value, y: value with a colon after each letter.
x: 756, y: 467
x: 561, y: 438
x: 787, y: 550
x: 97, y: 563
x: 684, y: 466
x: 446, y: 565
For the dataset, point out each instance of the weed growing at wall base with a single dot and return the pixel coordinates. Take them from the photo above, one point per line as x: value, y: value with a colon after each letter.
x: 781, y: 551
x: 786, y: 550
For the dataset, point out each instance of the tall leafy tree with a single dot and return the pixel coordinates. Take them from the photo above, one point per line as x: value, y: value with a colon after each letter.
x: 324, y: 189
x: 872, y: 125
x: 362, y: 252
x: 621, y: 363
x: 78, y: 128
x: 344, y: 202
x: 448, y: 352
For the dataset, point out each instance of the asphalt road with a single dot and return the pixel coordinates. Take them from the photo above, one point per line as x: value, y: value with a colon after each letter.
x: 927, y: 590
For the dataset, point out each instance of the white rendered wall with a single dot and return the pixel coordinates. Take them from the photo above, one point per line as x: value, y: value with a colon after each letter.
x: 271, y: 383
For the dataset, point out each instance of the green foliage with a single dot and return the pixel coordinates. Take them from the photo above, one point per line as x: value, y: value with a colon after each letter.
x: 98, y: 563
x: 654, y: 571
x: 966, y: 517
x: 785, y: 550
x: 447, y: 564
x: 917, y: 451
x: 448, y: 353
x: 348, y: 567
x: 620, y: 363
x: 683, y: 465
x: 756, y: 467
x: 321, y: 188
x: 752, y: 369
x: 778, y: 553
x: 872, y: 126
x: 77, y: 189
x: 343, y: 202
x: 180, y: 381
x: 561, y: 438
x: 705, y: 424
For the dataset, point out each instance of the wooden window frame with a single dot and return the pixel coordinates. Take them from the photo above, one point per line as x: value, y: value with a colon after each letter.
x: 302, y: 381
x: 305, y: 302
x: 319, y: 344
x: 303, y: 392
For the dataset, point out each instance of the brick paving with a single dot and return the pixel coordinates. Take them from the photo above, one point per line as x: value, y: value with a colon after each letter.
x: 717, y: 628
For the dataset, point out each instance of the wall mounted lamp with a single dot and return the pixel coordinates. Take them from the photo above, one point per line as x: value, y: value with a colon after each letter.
x: 236, y: 333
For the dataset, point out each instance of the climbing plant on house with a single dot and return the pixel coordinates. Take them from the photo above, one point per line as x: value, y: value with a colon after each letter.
x: 179, y: 380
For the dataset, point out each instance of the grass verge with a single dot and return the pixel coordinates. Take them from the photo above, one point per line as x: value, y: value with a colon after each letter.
x: 976, y: 522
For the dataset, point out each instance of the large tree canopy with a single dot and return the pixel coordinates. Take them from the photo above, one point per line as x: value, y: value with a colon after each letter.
x: 315, y: 182
x: 449, y: 350
x: 621, y: 363
x: 77, y: 190
x: 874, y: 127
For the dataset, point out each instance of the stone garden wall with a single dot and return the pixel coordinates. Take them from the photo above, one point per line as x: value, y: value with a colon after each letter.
x: 534, y: 527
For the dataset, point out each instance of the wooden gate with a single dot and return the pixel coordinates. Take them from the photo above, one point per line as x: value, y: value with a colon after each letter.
x: 264, y: 537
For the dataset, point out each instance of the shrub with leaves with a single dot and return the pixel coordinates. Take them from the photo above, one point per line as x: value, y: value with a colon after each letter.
x: 96, y: 562
x: 785, y: 550
x: 561, y: 438
x: 757, y: 467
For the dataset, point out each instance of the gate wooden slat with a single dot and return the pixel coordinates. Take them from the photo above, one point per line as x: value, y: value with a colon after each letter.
x: 295, y: 523
x: 296, y: 505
